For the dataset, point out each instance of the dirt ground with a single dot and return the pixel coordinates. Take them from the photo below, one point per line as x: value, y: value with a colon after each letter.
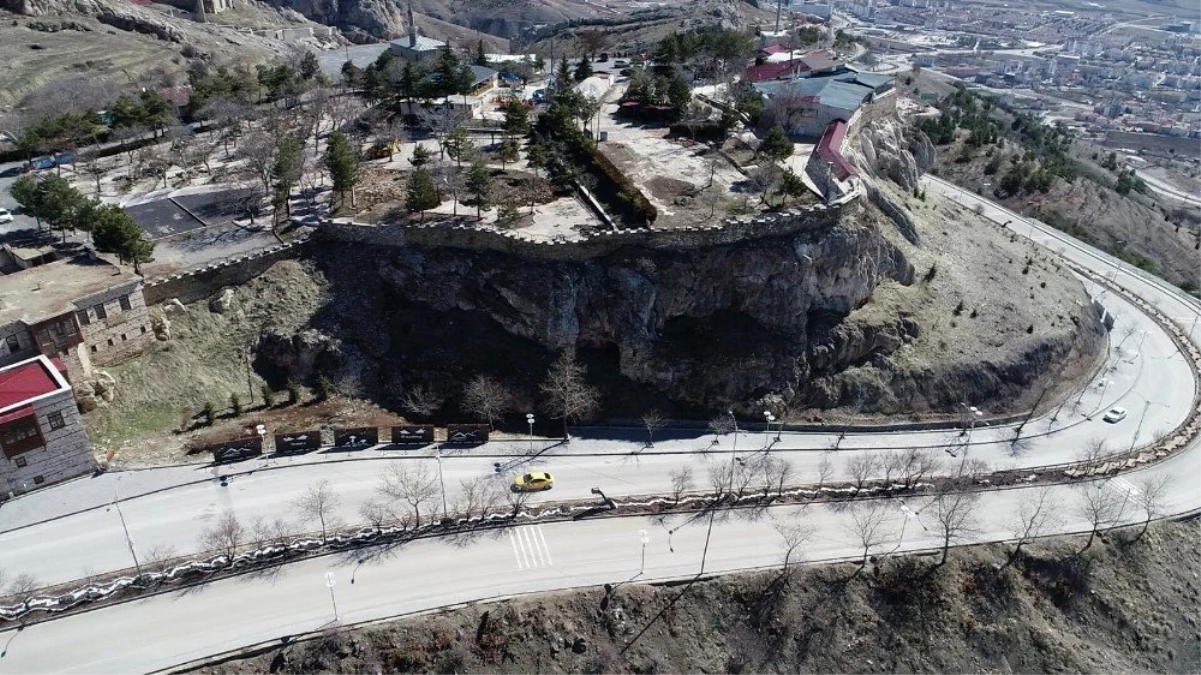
x: 1119, y: 606
x: 165, y: 387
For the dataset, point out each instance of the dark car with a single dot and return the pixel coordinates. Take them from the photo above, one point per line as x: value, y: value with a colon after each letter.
x: 42, y: 163
x: 64, y: 158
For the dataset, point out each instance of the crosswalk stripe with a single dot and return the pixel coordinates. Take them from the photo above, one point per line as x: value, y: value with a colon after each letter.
x: 516, y: 554
x: 529, y: 547
x: 544, y: 546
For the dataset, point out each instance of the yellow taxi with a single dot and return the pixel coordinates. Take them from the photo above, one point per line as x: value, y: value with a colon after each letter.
x: 534, y: 481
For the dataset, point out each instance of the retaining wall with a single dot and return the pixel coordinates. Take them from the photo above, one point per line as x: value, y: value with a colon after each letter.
x: 201, y: 283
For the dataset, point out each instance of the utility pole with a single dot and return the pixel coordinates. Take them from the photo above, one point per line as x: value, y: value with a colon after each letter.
x: 129, y: 540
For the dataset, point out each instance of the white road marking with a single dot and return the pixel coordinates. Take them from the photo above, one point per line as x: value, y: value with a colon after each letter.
x: 529, y: 547
x: 1123, y: 485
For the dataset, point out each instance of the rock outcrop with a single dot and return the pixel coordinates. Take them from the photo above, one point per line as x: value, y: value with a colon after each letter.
x: 713, y: 326
x: 889, y: 149
x: 298, y: 356
x: 96, y: 391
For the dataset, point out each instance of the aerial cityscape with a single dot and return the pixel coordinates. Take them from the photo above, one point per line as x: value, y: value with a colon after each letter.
x: 597, y: 336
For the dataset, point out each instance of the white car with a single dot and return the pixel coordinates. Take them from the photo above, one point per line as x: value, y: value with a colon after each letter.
x: 5, y: 216
x: 1115, y: 415
x: 621, y: 63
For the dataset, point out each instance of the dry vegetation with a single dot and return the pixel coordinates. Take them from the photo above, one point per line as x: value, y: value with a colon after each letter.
x: 1121, y: 607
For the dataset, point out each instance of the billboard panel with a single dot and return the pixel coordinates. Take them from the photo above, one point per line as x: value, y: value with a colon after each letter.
x: 237, y: 449
x: 467, y: 433
x: 357, y: 437
x: 413, y: 434
x: 297, y: 442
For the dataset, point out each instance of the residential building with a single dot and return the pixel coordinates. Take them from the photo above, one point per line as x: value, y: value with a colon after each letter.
x: 812, y: 64
x: 416, y: 48
x: 83, y: 310
x: 42, y: 439
x: 806, y: 107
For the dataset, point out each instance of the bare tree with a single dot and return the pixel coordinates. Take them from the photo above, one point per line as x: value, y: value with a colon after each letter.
x: 411, y: 483
x: 869, y: 525
x: 487, y: 398
x: 721, y: 424
x: 274, y: 532
x: 775, y: 473
x: 92, y: 166
x: 1101, y: 506
x: 795, y: 533
x: 258, y: 149
x: 1035, y: 517
x: 319, y: 502
x: 955, y: 518
x: 516, y: 500
x: 681, y: 482
x: 825, y: 467
x: 450, y: 180
x: 915, y: 464
x: 1092, y: 455
x: 225, y: 535
x: 568, y: 395
x: 377, y: 513
x: 863, y: 467
x: 1151, y: 497
x: 23, y: 585
x: 653, y: 421
x: 441, y: 122
x: 421, y: 401
x: 478, y: 497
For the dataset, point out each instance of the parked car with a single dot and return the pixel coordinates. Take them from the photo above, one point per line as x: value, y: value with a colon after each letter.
x: 1115, y: 415
x: 64, y: 158
x: 535, y: 481
x: 621, y: 63
x: 539, y: 96
x: 5, y: 216
x: 42, y: 163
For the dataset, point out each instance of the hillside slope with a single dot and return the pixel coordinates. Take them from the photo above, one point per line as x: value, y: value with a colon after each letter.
x: 1117, y: 607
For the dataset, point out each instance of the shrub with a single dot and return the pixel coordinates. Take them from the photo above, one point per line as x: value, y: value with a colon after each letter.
x: 293, y: 392
x: 1030, y: 330
x: 930, y: 275
x: 958, y: 309
x: 209, y: 412
x: 325, y: 388
x: 235, y: 402
x: 268, y: 395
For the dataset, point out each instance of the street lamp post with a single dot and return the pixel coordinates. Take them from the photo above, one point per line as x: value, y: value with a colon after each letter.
x: 529, y: 420
x: 438, y: 457
x: 973, y: 415
x: 331, y: 581
x: 128, y: 537
x: 767, y: 436
x: 645, y: 539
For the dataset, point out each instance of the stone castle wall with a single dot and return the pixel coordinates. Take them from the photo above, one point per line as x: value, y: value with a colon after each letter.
x: 201, y: 283
x: 476, y: 236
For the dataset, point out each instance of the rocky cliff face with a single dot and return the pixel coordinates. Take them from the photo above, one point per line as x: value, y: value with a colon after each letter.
x: 890, y: 149
x: 705, y: 327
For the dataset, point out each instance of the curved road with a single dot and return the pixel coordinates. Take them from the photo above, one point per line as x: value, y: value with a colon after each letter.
x: 1146, y: 375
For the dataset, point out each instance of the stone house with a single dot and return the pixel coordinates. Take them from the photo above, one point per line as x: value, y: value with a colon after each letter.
x: 84, y: 311
x: 42, y: 439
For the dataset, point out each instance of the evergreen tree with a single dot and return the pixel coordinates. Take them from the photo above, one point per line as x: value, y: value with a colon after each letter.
x: 481, y: 59
x: 289, y: 163
x: 776, y: 145
x: 421, y: 156
x: 510, y: 151
x: 563, y: 75
x: 446, y: 72
x: 517, y: 118
x: 422, y: 193
x: 479, y: 186
x: 309, y: 66
x: 342, y: 161
x: 791, y: 185
x: 114, y: 231
x: 352, y: 75
x: 583, y: 69
x: 25, y: 191
x: 459, y: 145
x: 537, y: 157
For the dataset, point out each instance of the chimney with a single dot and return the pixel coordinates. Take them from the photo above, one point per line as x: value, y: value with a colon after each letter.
x: 412, y: 27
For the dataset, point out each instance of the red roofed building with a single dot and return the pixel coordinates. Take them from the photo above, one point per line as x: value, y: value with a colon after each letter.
x: 42, y: 439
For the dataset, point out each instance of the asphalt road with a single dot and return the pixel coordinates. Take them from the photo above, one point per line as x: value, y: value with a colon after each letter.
x: 1149, y: 380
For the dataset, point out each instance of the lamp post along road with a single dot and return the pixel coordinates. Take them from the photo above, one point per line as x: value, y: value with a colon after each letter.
x: 767, y: 436
x: 331, y: 581
x: 128, y: 537
x: 529, y: 420
x: 645, y: 539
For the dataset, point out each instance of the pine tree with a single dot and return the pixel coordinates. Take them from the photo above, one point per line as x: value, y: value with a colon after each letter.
x: 479, y: 186
x: 517, y: 118
x: 776, y: 145
x: 286, y: 171
x: 510, y: 151
x: 583, y: 69
x: 421, y: 156
x: 422, y: 194
x: 342, y: 161
x: 459, y: 145
x: 481, y: 59
x: 563, y: 76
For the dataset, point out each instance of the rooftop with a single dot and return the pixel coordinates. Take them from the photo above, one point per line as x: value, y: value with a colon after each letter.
x: 25, y: 381
x: 847, y: 91
x: 50, y: 290
x: 424, y: 44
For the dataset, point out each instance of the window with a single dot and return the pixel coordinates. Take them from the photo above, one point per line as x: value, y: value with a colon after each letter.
x: 83, y: 317
x: 56, y: 420
x: 123, y: 338
x: 21, y: 436
x: 38, y: 480
x: 110, y: 342
x: 143, y: 330
x: 21, y: 461
x: 93, y: 349
x: 13, y: 343
x: 100, y: 313
x: 124, y: 300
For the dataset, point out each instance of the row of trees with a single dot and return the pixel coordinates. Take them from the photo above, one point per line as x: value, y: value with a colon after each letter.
x: 53, y: 199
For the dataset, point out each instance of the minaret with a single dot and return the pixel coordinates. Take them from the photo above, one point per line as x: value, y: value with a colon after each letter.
x: 200, y: 11
x: 412, y: 27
